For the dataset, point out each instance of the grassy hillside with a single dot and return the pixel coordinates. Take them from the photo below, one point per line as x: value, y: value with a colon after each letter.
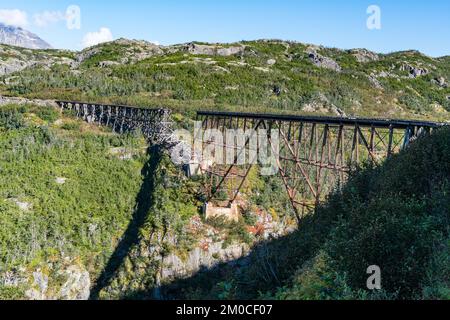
x: 396, y: 216
x: 66, y: 195
x: 75, y: 196
x: 268, y: 76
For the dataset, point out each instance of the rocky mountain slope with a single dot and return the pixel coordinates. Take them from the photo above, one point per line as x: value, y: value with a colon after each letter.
x: 85, y: 212
x: 19, y: 37
x: 261, y: 76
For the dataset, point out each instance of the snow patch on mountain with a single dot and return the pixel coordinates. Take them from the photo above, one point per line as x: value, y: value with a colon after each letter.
x: 16, y: 36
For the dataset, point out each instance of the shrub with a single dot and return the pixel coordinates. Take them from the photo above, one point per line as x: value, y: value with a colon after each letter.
x: 47, y: 114
x: 11, y: 117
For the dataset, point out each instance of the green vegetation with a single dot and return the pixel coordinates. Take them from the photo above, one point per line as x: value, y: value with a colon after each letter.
x: 245, y: 81
x: 77, y: 194
x: 62, y: 193
x: 395, y: 216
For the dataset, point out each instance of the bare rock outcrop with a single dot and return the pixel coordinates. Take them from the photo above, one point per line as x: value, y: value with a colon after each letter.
x: 213, y: 50
x: 364, y: 55
x: 76, y: 285
x: 323, y: 62
x: 207, y: 257
x: 23, y: 101
x: 414, y: 72
x: 321, y: 104
x: 39, y: 286
x: 106, y: 64
x: 374, y: 81
x: 440, y: 81
x: 13, y: 65
x: 84, y: 55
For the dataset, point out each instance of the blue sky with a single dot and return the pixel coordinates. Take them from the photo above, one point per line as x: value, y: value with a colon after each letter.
x: 420, y: 25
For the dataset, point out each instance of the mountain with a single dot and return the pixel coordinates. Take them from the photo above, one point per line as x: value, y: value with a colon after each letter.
x: 272, y: 76
x: 87, y: 213
x: 19, y: 37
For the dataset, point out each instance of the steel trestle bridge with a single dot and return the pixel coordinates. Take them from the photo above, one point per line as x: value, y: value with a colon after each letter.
x: 315, y: 157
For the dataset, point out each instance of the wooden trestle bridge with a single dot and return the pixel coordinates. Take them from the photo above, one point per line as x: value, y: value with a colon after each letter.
x: 314, y: 154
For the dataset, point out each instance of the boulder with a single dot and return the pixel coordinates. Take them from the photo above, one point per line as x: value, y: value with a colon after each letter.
x: 364, y: 56
x: 77, y: 286
x: 23, y: 206
x: 106, y: 64
x: 440, y: 81
x: 60, y: 180
x: 323, y: 62
x: 414, y: 72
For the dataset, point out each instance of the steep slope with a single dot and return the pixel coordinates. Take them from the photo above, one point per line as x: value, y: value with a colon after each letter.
x: 85, y: 212
x: 19, y: 37
x: 396, y: 216
x: 67, y: 190
x: 16, y: 59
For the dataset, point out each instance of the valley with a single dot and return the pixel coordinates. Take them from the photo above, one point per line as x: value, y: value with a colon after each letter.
x: 88, y: 212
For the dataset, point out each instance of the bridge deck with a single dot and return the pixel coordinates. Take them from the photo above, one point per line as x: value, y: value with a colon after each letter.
x: 378, y: 123
x: 59, y: 102
x: 365, y: 122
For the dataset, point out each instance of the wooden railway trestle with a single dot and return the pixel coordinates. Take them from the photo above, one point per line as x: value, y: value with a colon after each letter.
x: 315, y: 154
x: 154, y: 124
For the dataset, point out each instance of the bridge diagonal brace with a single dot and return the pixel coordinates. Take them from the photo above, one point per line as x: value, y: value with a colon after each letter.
x: 230, y: 168
x: 299, y: 166
x: 366, y: 144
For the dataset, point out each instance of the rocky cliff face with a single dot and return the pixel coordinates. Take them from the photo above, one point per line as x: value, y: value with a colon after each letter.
x: 150, y: 259
x: 52, y: 281
x: 15, y: 59
x: 21, y: 38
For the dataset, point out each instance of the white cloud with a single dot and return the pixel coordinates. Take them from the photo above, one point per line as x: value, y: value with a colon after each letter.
x: 94, y: 38
x: 72, y: 17
x: 14, y: 17
x: 48, y: 17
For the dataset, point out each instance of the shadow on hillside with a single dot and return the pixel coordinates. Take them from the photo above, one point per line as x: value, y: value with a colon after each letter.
x: 267, y: 266
x: 144, y: 201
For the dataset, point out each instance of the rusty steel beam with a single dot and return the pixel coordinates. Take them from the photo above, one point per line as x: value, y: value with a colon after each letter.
x: 377, y: 123
x: 317, y: 152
